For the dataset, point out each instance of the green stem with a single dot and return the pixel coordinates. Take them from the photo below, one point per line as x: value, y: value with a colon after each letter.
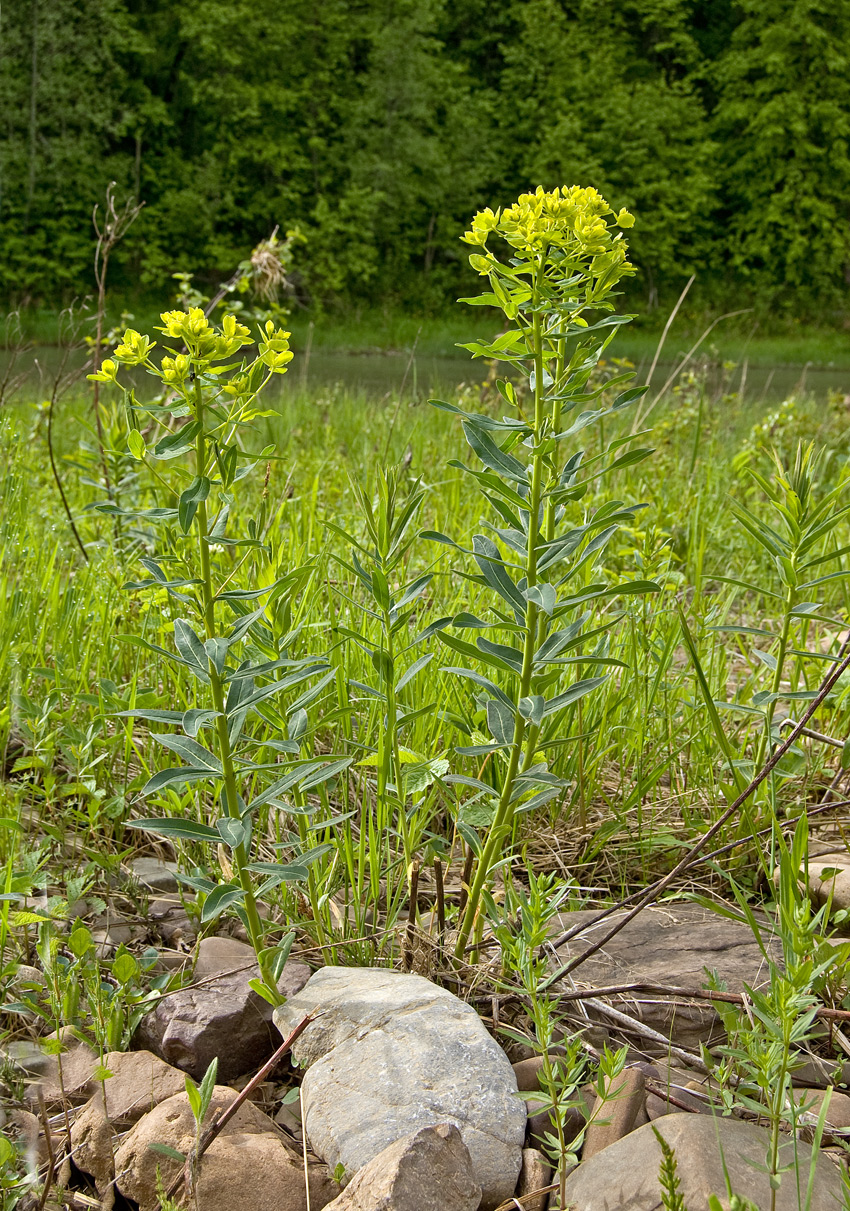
x: 231, y: 786
x: 392, y: 738
x: 522, y: 745
x: 776, y: 681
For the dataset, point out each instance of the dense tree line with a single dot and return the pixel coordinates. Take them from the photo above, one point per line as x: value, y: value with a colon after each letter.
x: 379, y: 126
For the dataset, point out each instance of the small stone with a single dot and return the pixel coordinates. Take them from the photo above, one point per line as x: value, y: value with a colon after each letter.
x: 173, y: 923
x: 218, y: 1014
x: 658, y: 1105
x: 829, y: 877
x: 27, y: 1057
x: 109, y: 932
x: 32, y: 1138
x: 817, y: 1073
x: 391, y: 1053
x: 616, y: 1114
x: 536, y: 1173
x: 838, y: 1112
x: 78, y: 1062
x: 154, y: 874
x: 666, y: 1082
x: 247, y: 1165
x: 428, y: 1170
x: 289, y: 1118
x: 625, y: 1175
x: 29, y: 976
x: 527, y: 1073
x: 172, y: 960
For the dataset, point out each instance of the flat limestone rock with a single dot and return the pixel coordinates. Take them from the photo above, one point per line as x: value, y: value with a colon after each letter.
x: 393, y: 1053
x: 218, y: 1015
x: 625, y: 1174
x: 671, y: 944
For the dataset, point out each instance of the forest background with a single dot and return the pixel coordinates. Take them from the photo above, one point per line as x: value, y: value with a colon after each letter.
x: 378, y: 127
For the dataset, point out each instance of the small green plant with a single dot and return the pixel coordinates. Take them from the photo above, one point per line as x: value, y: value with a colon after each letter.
x: 101, y: 999
x: 565, y: 1066
x: 555, y: 288
x: 208, y: 405
x: 200, y: 1097
x: 668, y: 1176
x: 378, y: 564
x: 804, y: 518
x: 760, y: 1057
x: 17, y: 1179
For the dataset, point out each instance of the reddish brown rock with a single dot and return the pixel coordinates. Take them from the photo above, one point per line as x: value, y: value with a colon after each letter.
x: 218, y: 1015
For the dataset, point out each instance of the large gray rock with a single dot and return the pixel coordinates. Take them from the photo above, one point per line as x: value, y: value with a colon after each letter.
x: 219, y: 1014
x: 625, y: 1175
x: 392, y: 1053
x: 429, y: 1170
x: 671, y: 944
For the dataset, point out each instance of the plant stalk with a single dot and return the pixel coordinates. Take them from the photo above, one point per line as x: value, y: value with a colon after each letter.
x: 231, y: 787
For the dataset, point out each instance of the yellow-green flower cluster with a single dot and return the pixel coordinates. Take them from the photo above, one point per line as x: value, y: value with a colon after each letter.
x: 134, y: 348
x: 573, y: 220
x: 274, y: 348
x: 175, y: 370
x: 200, y: 336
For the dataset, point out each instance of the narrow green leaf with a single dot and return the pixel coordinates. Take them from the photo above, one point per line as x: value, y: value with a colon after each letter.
x: 186, y: 830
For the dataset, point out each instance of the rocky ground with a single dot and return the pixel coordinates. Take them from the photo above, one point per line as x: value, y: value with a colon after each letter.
x: 399, y: 1095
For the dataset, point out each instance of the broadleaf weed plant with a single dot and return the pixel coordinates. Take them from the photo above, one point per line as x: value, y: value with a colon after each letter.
x: 199, y: 423
x: 564, y: 260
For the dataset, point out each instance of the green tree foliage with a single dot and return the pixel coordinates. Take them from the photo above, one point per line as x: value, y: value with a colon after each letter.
x: 604, y: 95
x: 379, y: 126
x: 782, y: 120
x: 62, y: 116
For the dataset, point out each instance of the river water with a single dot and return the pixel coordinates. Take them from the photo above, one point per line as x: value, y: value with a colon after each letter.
x: 399, y: 375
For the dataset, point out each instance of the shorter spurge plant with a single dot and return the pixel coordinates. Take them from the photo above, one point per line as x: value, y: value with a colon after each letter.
x: 236, y: 643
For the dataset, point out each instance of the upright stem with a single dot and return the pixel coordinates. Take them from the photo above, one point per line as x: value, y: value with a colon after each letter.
x: 776, y: 680
x: 524, y: 738
x: 100, y: 272
x: 231, y: 786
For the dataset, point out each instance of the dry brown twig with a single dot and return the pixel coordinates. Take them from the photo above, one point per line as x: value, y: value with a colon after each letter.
x: 651, y: 894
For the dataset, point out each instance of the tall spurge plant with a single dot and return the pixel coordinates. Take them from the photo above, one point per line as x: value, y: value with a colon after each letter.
x: 218, y: 397
x: 555, y: 288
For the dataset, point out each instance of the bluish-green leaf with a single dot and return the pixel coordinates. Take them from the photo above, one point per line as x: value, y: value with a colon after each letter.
x: 189, y: 750
x: 219, y: 900
x: 185, y: 830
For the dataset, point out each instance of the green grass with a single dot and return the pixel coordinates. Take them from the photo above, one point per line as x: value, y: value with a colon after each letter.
x: 649, y: 754
x: 646, y: 768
